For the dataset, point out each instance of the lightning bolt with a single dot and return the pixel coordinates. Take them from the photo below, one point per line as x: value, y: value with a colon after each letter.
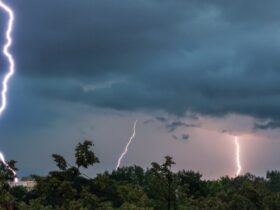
x: 8, y: 55
x: 127, y: 145
x: 237, y: 156
x: 11, y: 69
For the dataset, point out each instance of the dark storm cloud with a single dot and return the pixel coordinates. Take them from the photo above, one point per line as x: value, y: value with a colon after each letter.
x: 173, y: 126
x: 185, y: 136
x: 207, y: 57
x: 267, y: 125
x: 161, y: 119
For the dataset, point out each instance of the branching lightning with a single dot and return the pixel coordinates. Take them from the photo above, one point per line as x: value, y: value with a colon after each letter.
x: 237, y: 156
x: 127, y: 145
x: 11, y: 69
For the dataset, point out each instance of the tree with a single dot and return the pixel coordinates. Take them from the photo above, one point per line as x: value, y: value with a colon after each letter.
x: 67, y: 188
x: 84, y: 156
x: 60, y: 162
x: 131, y: 174
x: 161, y: 184
x: 273, y: 178
x: 193, y: 185
x: 133, y: 188
x: 7, y: 200
x: 6, y: 173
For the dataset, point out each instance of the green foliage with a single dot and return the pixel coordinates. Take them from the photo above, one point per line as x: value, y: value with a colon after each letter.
x: 60, y: 162
x: 84, y: 156
x: 133, y: 188
x: 5, y: 172
x: 273, y: 180
x: 191, y: 183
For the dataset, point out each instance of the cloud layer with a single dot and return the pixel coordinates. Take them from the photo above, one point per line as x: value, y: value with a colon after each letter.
x: 206, y: 57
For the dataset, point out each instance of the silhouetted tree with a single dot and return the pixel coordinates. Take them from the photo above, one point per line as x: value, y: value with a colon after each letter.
x: 133, y: 188
x: 84, y: 156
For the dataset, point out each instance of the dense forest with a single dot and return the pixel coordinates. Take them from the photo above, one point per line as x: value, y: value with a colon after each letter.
x: 135, y: 188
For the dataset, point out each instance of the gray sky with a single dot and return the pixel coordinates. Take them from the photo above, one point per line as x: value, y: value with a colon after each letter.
x: 195, y: 73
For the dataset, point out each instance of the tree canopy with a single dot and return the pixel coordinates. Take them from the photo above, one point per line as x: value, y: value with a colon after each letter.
x: 134, y: 188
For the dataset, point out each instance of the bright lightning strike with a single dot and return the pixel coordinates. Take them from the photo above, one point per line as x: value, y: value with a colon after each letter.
x: 8, y: 55
x: 237, y: 156
x: 127, y: 145
x: 11, y: 69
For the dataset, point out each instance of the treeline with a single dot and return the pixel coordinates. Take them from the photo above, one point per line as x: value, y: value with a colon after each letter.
x: 135, y: 188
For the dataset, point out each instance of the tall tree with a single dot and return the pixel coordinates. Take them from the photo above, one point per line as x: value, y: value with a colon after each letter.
x: 84, y: 155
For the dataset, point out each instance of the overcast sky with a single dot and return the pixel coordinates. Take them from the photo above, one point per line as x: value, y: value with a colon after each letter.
x: 194, y: 72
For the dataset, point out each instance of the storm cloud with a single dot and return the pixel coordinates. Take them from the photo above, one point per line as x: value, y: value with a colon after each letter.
x: 207, y: 57
x: 267, y: 125
x: 185, y: 136
x: 173, y: 126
